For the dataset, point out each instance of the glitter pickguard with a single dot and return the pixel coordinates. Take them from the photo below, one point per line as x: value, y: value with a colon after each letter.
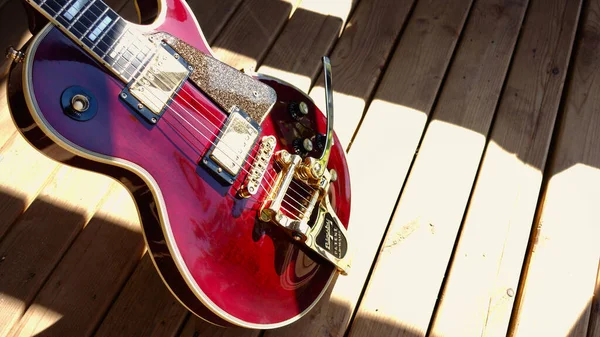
x: 225, y: 85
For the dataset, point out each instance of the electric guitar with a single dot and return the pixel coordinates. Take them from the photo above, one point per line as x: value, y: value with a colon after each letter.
x: 240, y: 182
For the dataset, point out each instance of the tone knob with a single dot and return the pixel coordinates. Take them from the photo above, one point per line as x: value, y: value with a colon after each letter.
x: 298, y: 109
x: 15, y: 54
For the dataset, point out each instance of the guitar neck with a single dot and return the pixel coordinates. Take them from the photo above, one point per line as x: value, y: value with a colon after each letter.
x: 106, y: 36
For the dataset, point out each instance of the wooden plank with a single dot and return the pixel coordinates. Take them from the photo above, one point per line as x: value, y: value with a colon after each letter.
x: 145, y: 307
x: 23, y: 172
x: 404, y: 98
x: 213, y: 15
x: 85, y: 282
x: 487, y: 262
x: 251, y: 31
x: 564, y: 253
x: 358, y: 60
x: 594, y: 329
x: 309, y: 34
x: 402, y: 291
x: 195, y: 327
x: 38, y: 240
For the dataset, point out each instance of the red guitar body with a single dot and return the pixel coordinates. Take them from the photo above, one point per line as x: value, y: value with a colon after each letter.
x: 208, y: 245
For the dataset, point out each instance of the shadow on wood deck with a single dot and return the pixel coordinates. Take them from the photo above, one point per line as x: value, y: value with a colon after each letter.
x: 481, y: 116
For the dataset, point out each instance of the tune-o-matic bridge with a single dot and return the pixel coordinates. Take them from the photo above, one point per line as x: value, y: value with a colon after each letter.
x: 325, y: 234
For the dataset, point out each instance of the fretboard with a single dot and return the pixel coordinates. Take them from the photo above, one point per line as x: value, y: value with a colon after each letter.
x: 105, y: 35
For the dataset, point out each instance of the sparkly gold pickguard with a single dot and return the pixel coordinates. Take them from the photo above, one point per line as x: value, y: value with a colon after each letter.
x: 225, y: 85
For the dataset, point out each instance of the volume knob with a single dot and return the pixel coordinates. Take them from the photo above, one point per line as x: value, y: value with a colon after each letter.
x: 298, y: 109
x: 302, y: 146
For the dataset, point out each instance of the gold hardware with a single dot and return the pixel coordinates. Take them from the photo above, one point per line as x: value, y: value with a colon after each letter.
x: 15, y: 54
x: 327, y: 227
x: 257, y: 172
x: 159, y: 80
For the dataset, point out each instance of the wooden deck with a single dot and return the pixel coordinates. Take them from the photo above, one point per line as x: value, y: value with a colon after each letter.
x: 473, y: 137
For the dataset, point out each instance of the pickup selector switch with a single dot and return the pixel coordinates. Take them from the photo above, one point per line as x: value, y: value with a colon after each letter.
x: 298, y: 109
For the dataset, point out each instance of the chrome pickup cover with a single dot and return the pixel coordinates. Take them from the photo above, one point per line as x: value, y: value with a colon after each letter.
x: 159, y: 80
x: 232, y: 146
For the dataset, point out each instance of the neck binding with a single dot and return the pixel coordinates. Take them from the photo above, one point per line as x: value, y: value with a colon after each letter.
x: 101, y: 32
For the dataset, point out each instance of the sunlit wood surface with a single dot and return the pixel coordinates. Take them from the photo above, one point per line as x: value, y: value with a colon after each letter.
x: 472, y: 129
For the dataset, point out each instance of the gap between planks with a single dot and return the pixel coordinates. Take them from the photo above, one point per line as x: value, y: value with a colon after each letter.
x: 563, y: 256
x: 486, y: 265
x: 422, y: 232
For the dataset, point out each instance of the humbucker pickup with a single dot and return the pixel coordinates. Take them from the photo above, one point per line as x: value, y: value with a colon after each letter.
x: 149, y: 94
x: 232, y: 146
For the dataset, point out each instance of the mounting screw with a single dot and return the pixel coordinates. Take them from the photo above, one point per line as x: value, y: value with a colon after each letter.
x: 334, y: 175
x: 190, y: 68
x: 219, y: 170
x: 205, y: 161
x: 255, y: 93
x: 153, y: 120
x: 176, y: 56
x: 296, y: 237
x: 140, y: 106
x: 123, y: 95
x: 510, y: 292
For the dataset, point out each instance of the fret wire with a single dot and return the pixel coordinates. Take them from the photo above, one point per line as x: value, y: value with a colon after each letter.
x: 142, y: 64
x: 117, y: 41
x: 92, y: 26
x: 81, y: 11
x: 106, y: 30
x: 41, y: 3
x: 137, y: 41
x: 112, y: 44
x: 132, y: 54
x: 64, y: 7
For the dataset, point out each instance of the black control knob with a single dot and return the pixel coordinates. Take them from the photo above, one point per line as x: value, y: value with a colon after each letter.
x: 302, y: 146
x: 298, y: 109
x: 320, y: 139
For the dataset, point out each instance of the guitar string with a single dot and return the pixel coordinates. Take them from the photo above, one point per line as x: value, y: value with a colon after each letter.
x: 138, y: 37
x: 268, y: 173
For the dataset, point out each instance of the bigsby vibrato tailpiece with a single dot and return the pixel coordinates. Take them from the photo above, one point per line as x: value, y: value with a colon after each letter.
x: 326, y: 236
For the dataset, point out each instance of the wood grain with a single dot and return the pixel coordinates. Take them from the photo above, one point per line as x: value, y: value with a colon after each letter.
x: 402, y: 291
x: 85, y: 282
x: 402, y: 126
x: 144, y: 308
x: 213, y: 15
x: 594, y: 329
x: 43, y: 233
x: 196, y: 327
x: 23, y: 172
x: 479, y: 294
x: 309, y: 34
x: 358, y: 60
x: 251, y: 31
x: 556, y: 296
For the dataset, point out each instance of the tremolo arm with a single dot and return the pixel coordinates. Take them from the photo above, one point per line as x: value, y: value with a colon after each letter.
x: 325, y: 235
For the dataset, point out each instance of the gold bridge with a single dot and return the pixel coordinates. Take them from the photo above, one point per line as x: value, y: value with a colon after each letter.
x: 326, y: 235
